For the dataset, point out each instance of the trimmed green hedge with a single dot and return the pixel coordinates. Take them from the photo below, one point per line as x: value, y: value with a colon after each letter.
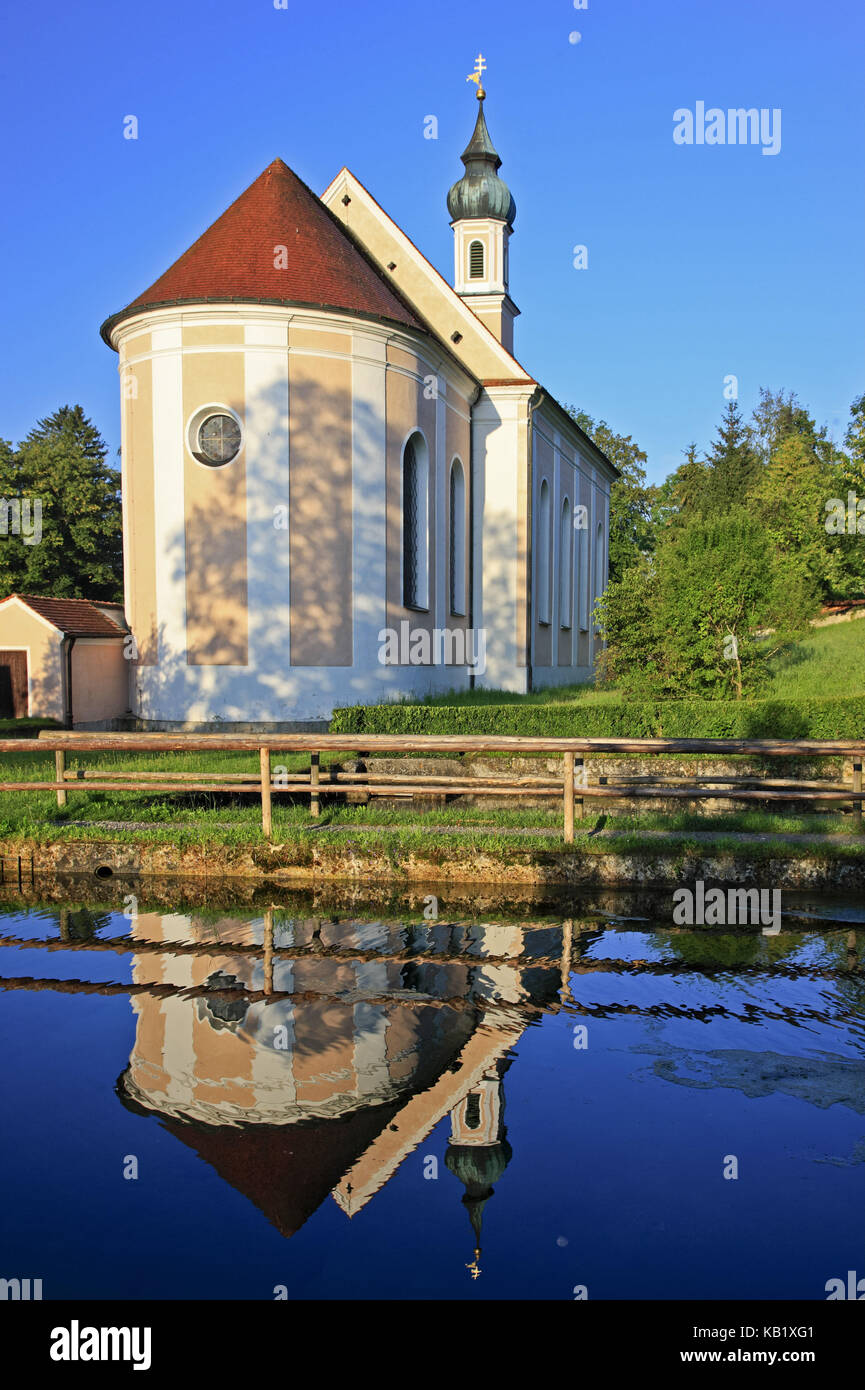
x: 838, y: 717
x: 26, y: 728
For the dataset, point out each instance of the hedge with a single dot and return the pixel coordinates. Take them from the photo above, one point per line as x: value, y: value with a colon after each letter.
x: 27, y: 727
x: 835, y: 717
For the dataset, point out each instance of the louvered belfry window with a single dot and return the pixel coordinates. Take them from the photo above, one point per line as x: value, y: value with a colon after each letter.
x: 476, y: 261
x: 410, y: 527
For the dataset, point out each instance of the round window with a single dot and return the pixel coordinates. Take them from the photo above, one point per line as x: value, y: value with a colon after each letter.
x: 216, y: 440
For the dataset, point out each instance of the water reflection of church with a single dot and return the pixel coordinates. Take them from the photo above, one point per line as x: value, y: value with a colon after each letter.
x: 302, y: 1058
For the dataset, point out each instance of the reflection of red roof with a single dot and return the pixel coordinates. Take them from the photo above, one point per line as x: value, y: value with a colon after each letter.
x: 285, y: 1170
x: 238, y: 257
x: 77, y: 617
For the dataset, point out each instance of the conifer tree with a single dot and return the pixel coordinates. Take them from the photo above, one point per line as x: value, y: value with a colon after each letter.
x: 733, y: 465
x: 79, y: 552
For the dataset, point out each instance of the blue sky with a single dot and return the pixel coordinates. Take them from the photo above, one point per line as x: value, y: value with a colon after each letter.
x: 703, y: 261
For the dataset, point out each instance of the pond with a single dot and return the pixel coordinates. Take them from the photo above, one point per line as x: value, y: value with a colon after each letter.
x: 430, y: 1101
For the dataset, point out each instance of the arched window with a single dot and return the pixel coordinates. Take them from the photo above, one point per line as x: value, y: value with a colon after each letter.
x: 415, y: 522
x: 600, y: 564
x: 473, y: 1111
x: 457, y: 553
x: 583, y: 571
x: 476, y: 260
x: 566, y: 565
x: 543, y: 564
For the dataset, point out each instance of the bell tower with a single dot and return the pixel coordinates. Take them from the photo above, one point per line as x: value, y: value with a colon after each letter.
x: 482, y: 213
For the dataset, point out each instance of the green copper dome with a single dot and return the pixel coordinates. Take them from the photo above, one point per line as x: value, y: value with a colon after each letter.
x: 480, y: 192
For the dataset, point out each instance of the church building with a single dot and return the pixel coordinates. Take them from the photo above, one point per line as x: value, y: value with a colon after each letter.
x: 339, y: 483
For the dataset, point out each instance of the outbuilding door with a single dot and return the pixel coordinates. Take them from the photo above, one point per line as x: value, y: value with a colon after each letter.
x: 13, y: 685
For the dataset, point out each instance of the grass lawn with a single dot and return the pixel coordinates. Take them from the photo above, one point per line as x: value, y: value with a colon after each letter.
x: 831, y: 661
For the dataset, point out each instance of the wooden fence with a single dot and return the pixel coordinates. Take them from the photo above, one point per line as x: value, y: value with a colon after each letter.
x: 571, y: 786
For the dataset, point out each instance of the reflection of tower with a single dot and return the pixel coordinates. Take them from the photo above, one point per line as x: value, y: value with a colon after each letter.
x: 478, y: 1152
x: 302, y: 1056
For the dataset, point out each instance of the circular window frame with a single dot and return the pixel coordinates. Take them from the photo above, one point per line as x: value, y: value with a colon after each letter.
x: 193, y: 425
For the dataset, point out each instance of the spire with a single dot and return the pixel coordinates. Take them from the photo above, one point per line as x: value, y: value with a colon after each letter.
x: 477, y: 1167
x: 480, y: 192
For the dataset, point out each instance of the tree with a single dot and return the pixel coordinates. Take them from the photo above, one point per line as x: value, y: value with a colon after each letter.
x: 776, y: 417
x: 687, y: 622
x: 684, y: 492
x: 802, y: 473
x: 59, y: 470
x: 733, y: 464
x: 631, y: 528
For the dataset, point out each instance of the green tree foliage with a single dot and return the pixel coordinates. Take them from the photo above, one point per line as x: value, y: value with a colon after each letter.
x: 61, y: 464
x: 802, y: 472
x: 850, y: 482
x: 683, y: 493
x: 686, y: 620
x: 631, y: 528
x: 732, y: 465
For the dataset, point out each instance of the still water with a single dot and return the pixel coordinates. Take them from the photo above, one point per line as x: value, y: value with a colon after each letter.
x: 253, y: 1102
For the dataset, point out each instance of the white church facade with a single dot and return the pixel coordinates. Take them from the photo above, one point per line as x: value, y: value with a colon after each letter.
x: 339, y: 484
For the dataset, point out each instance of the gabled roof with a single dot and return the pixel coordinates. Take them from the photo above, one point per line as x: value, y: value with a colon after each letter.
x: 76, y: 617
x: 436, y: 289
x: 422, y: 283
x: 238, y: 258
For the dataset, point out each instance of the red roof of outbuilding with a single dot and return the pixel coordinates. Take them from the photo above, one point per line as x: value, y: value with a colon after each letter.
x: 237, y: 258
x: 77, y: 617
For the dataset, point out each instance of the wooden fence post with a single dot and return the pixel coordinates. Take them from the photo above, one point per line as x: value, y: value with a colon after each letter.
x: 580, y: 763
x: 60, y: 769
x: 857, y: 787
x: 569, y: 798
x: 266, y: 818
x: 268, y: 950
x: 314, y: 799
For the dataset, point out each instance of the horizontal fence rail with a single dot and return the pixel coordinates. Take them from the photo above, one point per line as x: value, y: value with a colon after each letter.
x: 570, y: 786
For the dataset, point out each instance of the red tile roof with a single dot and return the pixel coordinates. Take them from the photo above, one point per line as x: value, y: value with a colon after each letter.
x: 77, y: 617
x: 234, y: 258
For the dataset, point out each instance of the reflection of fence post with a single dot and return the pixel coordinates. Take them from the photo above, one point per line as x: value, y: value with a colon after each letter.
x: 569, y: 798
x: 857, y: 787
x: 268, y: 951
x: 314, y: 799
x: 266, y: 819
x: 60, y: 770
x: 567, y: 940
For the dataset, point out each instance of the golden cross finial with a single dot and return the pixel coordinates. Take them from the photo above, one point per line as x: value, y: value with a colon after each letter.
x: 474, y: 1267
x: 480, y: 68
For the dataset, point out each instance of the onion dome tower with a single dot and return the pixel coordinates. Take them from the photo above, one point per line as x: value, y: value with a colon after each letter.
x: 482, y: 212
x: 478, y: 1152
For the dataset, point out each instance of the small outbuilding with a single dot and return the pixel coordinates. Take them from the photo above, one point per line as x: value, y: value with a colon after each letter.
x: 64, y: 659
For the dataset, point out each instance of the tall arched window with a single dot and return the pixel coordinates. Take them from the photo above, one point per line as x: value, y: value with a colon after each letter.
x: 543, y: 562
x: 600, y: 564
x: 476, y: 260
x: 415, y: 522
x: 457, y: 549
x: 566, y: 565
x: 583, y: 539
